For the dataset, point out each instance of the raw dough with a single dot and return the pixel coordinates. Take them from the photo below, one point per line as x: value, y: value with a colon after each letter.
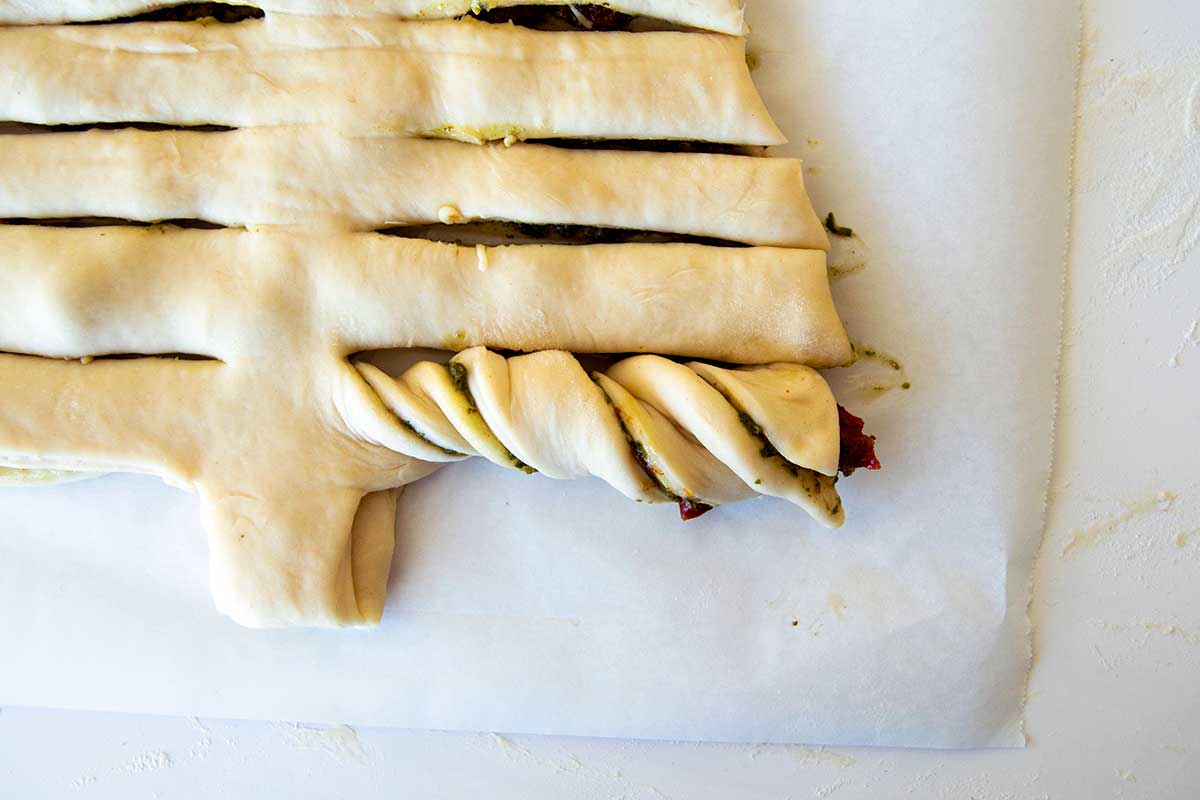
x: 282, y: 437
x: 312, y: 176
x: 547, y: 414
x: 294, y: 467
x: 460, y: 79
x: 723, y: 16
x: 72, y: 293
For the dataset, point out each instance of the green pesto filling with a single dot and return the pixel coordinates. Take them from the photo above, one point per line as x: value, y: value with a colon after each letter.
x: 882, y: 358
x: 639, y: 452
x: 458, y: 379
x: 408, y: 426
x: 832, y: 226
x: 768, y: 450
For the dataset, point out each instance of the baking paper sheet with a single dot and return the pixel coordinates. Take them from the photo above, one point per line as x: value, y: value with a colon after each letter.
x: 941, y: 131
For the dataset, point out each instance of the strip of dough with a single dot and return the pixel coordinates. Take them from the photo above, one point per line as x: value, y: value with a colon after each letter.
x: 723, y: 16
x: 79, y: 292
x: 309, y: 176
x: 460, y: 79
x: 547, y: 414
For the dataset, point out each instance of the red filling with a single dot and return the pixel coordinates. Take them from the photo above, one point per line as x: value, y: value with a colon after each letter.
x: 858, y: 449
x: 858, y: 452
x: 691, y: 509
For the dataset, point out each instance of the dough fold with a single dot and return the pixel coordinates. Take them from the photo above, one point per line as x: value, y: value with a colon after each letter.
x: 311, y: 176
x: 459, y: 79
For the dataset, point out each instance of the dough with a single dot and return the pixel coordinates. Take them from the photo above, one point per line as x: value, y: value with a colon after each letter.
x: 550, y: 416
x: 294, y: 480
x: 723, y: 16
x: 311, y: 176
x: 42, y: 477
x: 72, y: 293
x: 460, y: 79
x: 282, y: 437
x: 248, y: 383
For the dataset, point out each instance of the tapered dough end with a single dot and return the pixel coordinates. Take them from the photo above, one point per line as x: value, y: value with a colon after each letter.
x: 792, y: 404
x: 372, y: 542
x: 695, y: 405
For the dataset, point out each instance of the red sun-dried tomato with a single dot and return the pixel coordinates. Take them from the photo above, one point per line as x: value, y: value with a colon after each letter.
x: 858, y: 449
x: 691, y: 509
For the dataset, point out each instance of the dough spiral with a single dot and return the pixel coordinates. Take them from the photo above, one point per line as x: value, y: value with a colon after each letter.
x: 654, y: 429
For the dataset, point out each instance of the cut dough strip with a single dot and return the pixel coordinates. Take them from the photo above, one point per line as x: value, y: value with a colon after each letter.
x: 723, y: 16
x: 654, y: 429
x: 311, y: 176
x: 95, y: 291
x: 458, y: 79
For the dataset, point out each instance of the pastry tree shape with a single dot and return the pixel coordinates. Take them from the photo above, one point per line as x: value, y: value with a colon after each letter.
x: 459, y: 79
x: 292, y: 451
x: 724, y: 16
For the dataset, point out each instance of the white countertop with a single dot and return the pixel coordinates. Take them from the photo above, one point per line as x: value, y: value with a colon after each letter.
x: 1114, y: 704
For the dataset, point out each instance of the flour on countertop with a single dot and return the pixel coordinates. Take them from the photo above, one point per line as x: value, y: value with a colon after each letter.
x: 1147, y: 162
x: 1190, y: 340
x: 1172, y: 631
x: 1156, y: 502
x: 820, y: 755
x: 149, y: 761
x: 1183, y: 537
x: 203, y: 745
x: 825, y: 791
x: 339, y: 742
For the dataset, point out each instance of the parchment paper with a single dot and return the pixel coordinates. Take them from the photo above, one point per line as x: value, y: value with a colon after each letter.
x: 941, y: 132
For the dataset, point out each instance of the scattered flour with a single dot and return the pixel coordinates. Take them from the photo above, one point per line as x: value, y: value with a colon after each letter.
x: 1087, y: 537
x: 203, y: 745
x: 1182, y: 538
x: 819, y: 755
x: 1172, y: 631
x: 1149, y: 168
x: 149, y: 761
x: 1190, y: 339
x: 339, y: 742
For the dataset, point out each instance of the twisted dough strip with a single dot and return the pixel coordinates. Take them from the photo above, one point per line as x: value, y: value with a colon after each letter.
x: 654, y: 429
